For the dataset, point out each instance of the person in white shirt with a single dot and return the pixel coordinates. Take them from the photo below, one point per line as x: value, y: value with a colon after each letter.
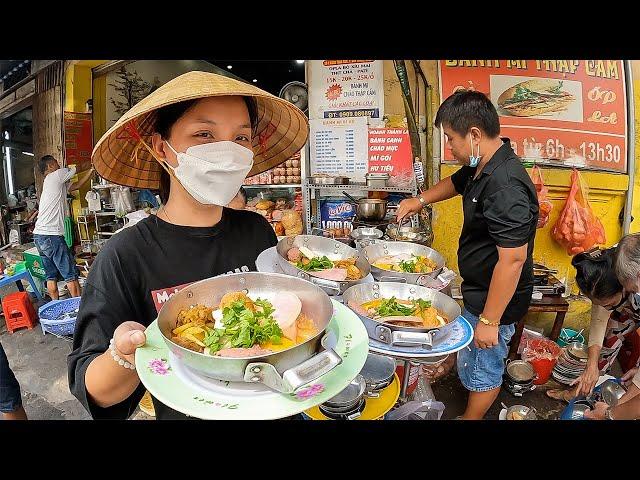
x: 48, y: 234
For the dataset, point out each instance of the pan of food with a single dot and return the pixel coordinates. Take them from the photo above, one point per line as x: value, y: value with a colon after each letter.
x: 402, y: 314
x: 404, y: 262
x: 251, y: 327
x: 328, y: 263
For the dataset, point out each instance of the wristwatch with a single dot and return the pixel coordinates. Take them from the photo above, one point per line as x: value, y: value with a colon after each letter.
x: 422, y: 201
x: 486, y: 321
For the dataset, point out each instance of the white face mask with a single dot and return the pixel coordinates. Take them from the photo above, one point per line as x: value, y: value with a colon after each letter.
x: 213, y: 173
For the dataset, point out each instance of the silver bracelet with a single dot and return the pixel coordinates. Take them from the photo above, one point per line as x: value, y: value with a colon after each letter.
x: 116, y: 357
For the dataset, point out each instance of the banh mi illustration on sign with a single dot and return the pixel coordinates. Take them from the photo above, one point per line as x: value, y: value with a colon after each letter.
x: 535, y: 97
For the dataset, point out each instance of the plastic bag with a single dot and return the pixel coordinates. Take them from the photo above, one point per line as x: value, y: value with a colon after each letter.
x: 545, y: 205
x: 119, y: 203
x: 577, y: 228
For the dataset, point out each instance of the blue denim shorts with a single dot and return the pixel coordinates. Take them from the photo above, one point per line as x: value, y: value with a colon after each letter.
x: 56, y: 257
x: 10, y: 398
x: 480, y: 369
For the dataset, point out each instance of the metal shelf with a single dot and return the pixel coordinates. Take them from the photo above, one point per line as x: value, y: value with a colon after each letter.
x: 105, y: 214
x: 359, y: 187
x: 274, y: 186
x: 107, y: 234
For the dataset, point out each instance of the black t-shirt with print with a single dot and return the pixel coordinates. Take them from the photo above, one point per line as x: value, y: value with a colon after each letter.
x: 137, y: 271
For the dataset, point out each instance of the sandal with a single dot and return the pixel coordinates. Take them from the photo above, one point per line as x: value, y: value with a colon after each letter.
x: 560, y: 394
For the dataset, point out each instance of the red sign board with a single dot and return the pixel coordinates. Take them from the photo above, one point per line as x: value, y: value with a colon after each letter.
x: 390, y: 152
x: 78, y: 139
x: 557, y: 112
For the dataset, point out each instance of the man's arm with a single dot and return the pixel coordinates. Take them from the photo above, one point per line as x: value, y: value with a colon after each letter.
x: 82, y: 179
x: 504, y: 281
x: 443, y: 190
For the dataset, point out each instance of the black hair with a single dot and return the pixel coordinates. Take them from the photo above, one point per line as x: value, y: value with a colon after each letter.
x: 168, y: 115
x: 596, y: 275
x: 466, y: 109
x: 243, y: 193
x: 44, y: 162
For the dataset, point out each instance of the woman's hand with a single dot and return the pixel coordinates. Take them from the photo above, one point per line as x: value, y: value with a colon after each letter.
x: 587, y: 380
x: 127, y: 337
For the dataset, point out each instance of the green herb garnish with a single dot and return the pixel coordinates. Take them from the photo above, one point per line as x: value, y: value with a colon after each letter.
x: 244, y: 328
x: 391, y: 307
x: 316, y: 264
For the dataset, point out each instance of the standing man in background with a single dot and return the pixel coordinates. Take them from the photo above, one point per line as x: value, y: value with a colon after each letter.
x: 48, y: 234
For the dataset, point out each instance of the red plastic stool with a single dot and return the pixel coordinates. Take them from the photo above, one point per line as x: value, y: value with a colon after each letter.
x: 18, y: 311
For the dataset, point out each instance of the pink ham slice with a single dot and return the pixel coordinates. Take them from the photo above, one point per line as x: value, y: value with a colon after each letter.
x: 287, y: 309
x: 243, y: 352
x: 399, y: 318
x: 335, y: 274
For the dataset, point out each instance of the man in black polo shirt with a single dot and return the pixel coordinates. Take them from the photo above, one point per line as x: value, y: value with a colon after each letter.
x: 496, y: 244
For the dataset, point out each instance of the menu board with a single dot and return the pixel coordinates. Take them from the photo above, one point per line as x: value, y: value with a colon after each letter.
x: 346, y: 88
x: 339, y: 147
x: 390, y: 152
x: 557, y: 112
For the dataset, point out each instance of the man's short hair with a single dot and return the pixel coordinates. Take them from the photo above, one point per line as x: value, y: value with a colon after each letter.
x: 628, y: 259
x: 468, y: 108
x: 44, y: 162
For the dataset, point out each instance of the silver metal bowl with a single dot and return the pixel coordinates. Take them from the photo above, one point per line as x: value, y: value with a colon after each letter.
x: 526, y: 412
x: 611, y: 392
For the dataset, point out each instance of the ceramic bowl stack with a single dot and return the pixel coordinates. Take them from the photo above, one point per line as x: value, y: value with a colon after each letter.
x: 571, y: 363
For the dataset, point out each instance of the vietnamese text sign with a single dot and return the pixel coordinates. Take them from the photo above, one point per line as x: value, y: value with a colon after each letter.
x: 558, y: 112
x: 346, y: 88
x: 339, y: 147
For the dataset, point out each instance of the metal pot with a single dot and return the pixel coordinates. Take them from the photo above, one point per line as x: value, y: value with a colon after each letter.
x: 378, y: 372
x: 371, y: 209
x: 349, y: 398
x: 398, y: 335
x: 380, y: 249
x: 520, y: 372
x: 333, y: 249
x: 284, y: 371
x: 351, y: 414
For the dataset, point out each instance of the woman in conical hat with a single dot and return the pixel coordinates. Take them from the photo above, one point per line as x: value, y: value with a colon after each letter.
x: 195, y: 138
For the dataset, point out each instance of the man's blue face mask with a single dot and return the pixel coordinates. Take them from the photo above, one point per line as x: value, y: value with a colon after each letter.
x: 474, y: 160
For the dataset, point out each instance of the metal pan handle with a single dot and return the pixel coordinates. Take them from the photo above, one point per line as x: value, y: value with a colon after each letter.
x: 294, y: 378
x: 326, y: 284
x: 393, y: 279
x: 401, y: 337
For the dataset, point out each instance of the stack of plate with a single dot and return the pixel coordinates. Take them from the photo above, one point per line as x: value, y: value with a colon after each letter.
x: 571, y: 363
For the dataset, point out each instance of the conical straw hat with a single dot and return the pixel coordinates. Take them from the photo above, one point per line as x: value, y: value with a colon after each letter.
x: 120, y: 156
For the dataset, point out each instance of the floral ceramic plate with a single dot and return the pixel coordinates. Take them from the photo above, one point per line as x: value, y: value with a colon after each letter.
x: 197, y: 396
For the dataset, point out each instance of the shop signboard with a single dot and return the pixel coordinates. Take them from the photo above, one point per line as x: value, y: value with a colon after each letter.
x: 346, y: 89
x: 555, y: 112
x: 390, y: 152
